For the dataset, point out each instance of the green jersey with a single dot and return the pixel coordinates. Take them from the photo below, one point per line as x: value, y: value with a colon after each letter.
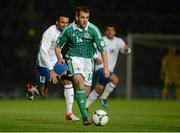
x: 82, y: 42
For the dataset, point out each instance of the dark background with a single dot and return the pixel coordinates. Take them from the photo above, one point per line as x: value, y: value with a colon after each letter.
x: 22, y: 23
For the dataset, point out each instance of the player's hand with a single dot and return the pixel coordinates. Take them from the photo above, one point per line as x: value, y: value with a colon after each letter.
x: 53, y: 77
x: 61, y: 61
x: 126, y: 48
x: 106, y: 72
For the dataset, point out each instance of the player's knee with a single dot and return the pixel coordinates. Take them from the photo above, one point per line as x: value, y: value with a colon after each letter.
x: 99, y: 89
x: 165, y: 91
x: 177, y: 90
x: 67, y: 82
x: 87, y: 91
x: 78, y: 80
x: 114, y: 79
x: 42, y: 92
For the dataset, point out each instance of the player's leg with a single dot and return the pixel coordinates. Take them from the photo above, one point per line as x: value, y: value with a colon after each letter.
x: 87, y: 90
x: 42, y: 77
x: 69, y: 97
x: 46, y: 90
x: 177, y: 93
x: 114, y: 80
x: 99, y: 88
x: 80, y: 97
x: 31, y: 90
x: 40, y: 90
x: 62, y: 74
x: 177, y: 89
x: 43, y: 90
x: 93, y: 96
x: 165, y: 91
x: 82, y: 70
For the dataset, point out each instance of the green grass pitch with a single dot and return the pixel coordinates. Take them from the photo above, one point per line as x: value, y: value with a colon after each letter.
x: 124, y: 115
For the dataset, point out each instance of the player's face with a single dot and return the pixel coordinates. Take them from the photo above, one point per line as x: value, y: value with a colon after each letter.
x: 82, y: 19
x: 62, y: 23
x: 110, y: 32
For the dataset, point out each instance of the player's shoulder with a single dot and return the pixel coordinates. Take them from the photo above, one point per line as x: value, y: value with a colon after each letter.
x: 115, y: 39
x: 50, y: 29
x: 68, y: 28
x: 93, y: 26
x: 120, y: 40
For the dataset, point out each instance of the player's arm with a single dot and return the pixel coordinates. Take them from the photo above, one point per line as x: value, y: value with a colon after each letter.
x: 97, y: 59
x: 44, y: 48
x: 59, y: 55
x: 62, y: 39
x: 45, y: 45
x: 105, y: 63
x: 125, y: 48
x: 102, y: 48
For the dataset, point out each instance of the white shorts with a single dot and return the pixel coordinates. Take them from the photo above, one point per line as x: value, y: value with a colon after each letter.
x: 84, y: 66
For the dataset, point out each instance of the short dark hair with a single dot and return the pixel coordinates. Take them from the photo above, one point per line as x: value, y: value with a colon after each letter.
x: 110, y: 25
x: 61, y: 14
x: 82, y: 8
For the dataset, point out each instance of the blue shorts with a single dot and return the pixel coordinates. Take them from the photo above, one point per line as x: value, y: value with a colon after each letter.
x: 101, y: 79
x: 43, y: 73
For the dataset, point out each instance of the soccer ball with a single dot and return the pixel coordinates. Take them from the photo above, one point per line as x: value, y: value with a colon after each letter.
x: 100, y: 118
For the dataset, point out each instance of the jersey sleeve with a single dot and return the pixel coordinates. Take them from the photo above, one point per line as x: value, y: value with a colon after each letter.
x: 45, y: 45
x: 100, y: 44
x: 121, y: 44
x: 62, y: 39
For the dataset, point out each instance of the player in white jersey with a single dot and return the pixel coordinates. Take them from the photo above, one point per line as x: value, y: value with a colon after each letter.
x: 47, y: 68
x: 105, y: 86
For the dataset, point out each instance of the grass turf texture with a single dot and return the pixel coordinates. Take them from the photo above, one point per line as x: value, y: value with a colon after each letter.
x: 48, y: 116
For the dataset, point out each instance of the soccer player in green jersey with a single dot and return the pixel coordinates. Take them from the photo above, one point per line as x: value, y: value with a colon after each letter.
x: 83, y: 39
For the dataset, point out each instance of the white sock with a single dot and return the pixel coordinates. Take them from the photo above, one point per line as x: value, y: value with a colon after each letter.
x: 69, y: 97
x: 91, y: 98
x: 107, y: 91
x: 35, y: 90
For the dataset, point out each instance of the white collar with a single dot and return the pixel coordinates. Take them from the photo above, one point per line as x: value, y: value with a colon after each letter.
x: 75, y: 27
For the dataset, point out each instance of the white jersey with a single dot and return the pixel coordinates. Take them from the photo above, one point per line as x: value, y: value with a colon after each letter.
x: 113, y: 47
x: 46, y: 56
